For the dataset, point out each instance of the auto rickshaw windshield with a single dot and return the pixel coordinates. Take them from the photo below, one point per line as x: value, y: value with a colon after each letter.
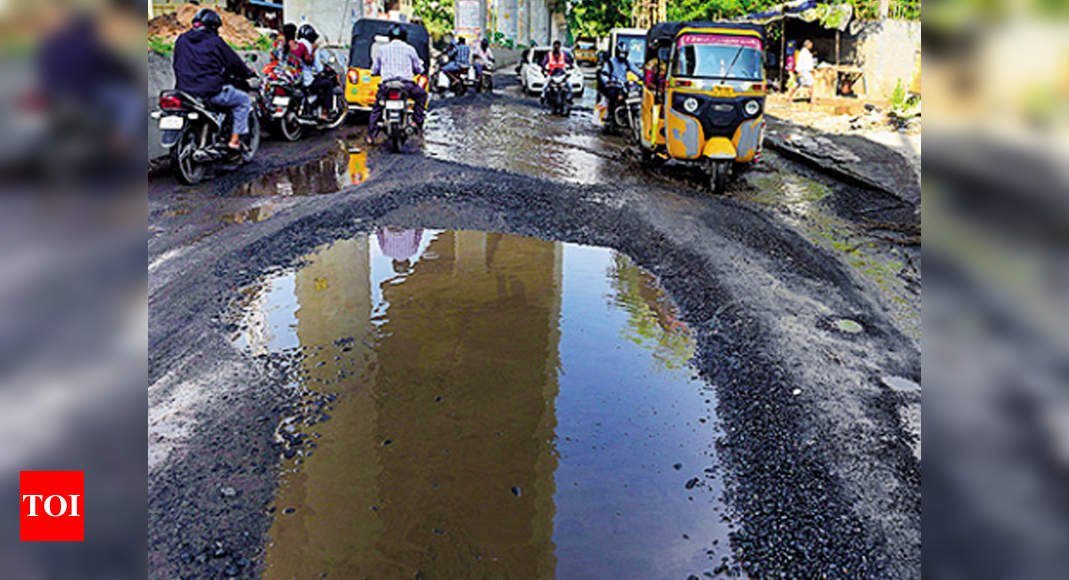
x: 718, y: 56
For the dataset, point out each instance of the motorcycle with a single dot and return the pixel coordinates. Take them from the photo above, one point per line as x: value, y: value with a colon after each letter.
x: 196, y: 133
x: 485, y: 82
x: 556, y: 89
x: 287, y: 106
x: 624, y: 108
x: 396, y: 120
x: 458, y: 81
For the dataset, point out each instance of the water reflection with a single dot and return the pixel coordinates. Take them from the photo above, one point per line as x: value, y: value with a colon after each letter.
x: 495, y: 416
x: 342, y: 166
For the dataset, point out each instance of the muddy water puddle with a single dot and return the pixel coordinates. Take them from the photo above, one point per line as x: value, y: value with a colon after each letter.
x: 490, y: 406
x: 527, y: 140
x: 342, y: 166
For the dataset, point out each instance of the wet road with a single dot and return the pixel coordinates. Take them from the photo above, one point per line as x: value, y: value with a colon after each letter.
x: 512, y: 352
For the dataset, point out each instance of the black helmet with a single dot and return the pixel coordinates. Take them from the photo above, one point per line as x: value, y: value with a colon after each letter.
x: 208, y: 18
x: 622, y: 49
x: 485, y: 43
x: 397, y: 32
x: 307, y: 31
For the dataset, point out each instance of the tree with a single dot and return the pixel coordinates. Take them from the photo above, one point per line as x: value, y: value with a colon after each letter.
x: 437, y: 15
x: 598, y: 17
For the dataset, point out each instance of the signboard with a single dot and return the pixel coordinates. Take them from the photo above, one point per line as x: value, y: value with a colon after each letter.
x: 467, y: 18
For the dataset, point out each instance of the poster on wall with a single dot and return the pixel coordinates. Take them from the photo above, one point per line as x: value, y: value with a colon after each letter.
x: 467, y: 18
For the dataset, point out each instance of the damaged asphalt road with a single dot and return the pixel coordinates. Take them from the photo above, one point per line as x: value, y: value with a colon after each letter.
x: 821, y: 465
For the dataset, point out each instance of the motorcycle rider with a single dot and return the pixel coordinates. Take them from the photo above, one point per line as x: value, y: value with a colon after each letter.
x: 396, y: 60
x: 613, y: 74
x: 203, y: 62
x: 482, y: 56
x: 459, y: 56
x: 317, y: 85
x: 557, y: 60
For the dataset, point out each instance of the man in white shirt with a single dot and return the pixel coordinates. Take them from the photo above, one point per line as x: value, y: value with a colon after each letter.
x: 803, y: 67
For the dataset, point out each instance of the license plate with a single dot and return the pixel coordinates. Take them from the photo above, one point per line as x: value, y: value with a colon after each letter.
x: 395, y: 105
x: 280, y: 101
x: 722, y: 91
x: 172, y: 123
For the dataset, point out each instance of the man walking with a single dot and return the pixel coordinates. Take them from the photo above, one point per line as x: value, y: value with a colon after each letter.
x: 803, y: 68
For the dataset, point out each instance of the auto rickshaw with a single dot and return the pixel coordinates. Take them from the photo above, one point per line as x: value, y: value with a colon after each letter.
x: 703, y: 96
x: 586, y: 51
x: 369, y: 33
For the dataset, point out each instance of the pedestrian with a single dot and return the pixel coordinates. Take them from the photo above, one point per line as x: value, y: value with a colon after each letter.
x: 803, y: 68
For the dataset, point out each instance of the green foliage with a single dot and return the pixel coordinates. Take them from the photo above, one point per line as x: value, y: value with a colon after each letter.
x: 160, y: 46
x: 263, y: 43
x: 716, y: 9
x: 598, y: 17
x: 437, y: 15
x: 898, y: 96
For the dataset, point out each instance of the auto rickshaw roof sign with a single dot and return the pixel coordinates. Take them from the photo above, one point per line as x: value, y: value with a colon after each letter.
x: 719, y: 40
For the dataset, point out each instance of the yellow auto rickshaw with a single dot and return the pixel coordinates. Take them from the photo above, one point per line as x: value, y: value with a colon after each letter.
x: 703, y: 96
x: 369, y: 33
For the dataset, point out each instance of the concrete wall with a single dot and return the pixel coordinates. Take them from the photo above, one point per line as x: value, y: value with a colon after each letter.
x: 331, y: 18
x: 887, y: 51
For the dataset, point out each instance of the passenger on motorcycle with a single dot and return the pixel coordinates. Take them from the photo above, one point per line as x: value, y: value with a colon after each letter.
x: 557, y: 60
x: 282, y: 57
x: 203, y: 62
x: 613, y: 74
x: 396, y: 60
x: 459, y: 55
x: 482, y: 56
x: 311, y: 66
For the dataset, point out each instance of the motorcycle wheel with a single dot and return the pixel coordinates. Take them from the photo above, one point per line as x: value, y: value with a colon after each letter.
x: 252, y: 139
x: 397, y: 140
x: 461, y: 89
x: 186, y: 169
x: 290, y: 127
x: 341, y: 110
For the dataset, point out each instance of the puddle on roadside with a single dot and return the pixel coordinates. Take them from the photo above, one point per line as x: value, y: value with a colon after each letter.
x: 343, y: 166
x: 528, y: 141
x: 800, y: 199
x: 499, y: 406
x: 252, y: 215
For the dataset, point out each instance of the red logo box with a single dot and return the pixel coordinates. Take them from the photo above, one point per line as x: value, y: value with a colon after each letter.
x: 51, y: 506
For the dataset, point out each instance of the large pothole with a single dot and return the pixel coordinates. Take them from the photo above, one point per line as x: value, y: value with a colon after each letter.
x: 485, y: 405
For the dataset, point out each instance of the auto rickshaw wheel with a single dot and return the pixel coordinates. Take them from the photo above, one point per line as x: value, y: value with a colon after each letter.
x: 648, y: 159
x: 718, y: 176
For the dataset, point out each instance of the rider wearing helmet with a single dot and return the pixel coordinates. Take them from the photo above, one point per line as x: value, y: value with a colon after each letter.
x: 557, y: 61
x: 396, y: 61
x: 613, y: 74
x: 482, y: 56
x: 317, y: 85
x: 203, y: 65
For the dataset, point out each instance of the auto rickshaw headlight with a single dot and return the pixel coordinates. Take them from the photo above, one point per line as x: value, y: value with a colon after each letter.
x: 752, y: 108
x: 690, y: 105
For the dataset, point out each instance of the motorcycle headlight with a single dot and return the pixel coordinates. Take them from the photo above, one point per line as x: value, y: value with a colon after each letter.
x: 690, y: 105
x: 751, y: 108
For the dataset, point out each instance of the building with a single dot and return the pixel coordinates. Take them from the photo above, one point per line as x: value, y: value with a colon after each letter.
x: 334, y: 19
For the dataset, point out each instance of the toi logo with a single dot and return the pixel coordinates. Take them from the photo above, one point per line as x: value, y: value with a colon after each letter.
x: 50, y: 506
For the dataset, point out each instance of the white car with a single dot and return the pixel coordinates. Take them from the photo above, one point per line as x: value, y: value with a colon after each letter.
x: 532, y: 79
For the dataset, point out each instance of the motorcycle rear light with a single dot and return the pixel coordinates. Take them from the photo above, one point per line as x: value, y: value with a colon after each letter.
x: 392, y: 95
x: 280, y: 91
x: 170, y: 102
